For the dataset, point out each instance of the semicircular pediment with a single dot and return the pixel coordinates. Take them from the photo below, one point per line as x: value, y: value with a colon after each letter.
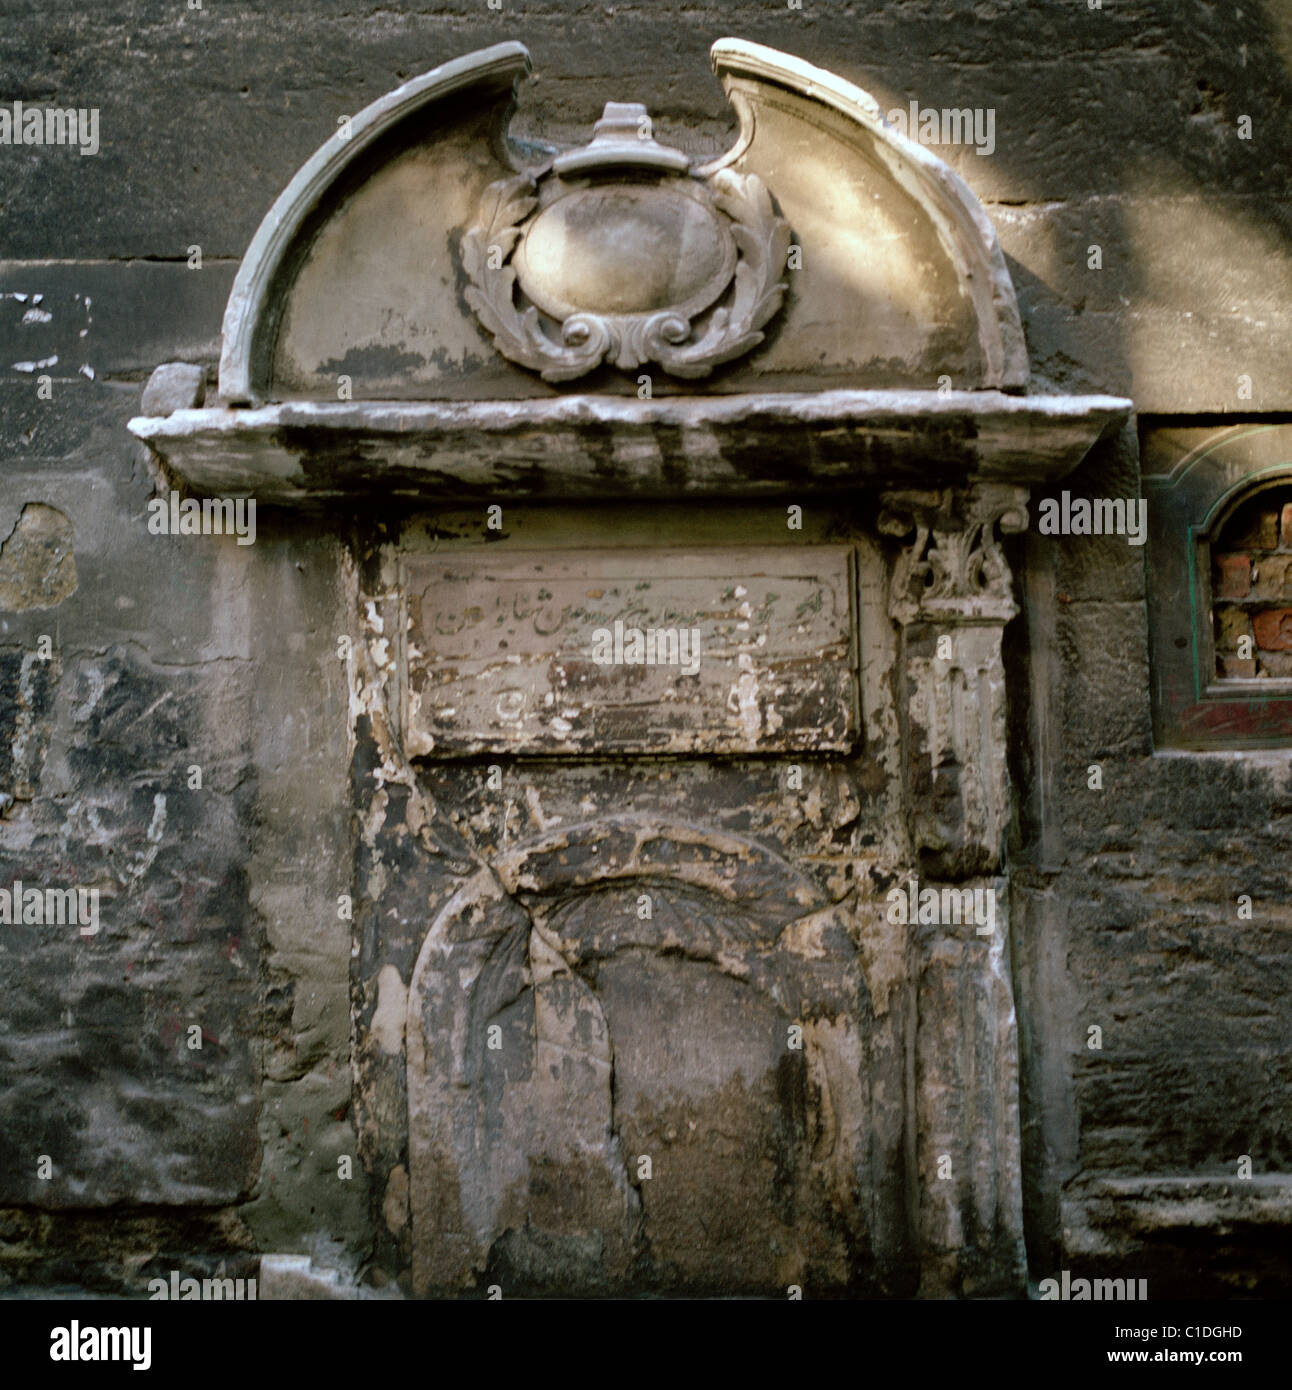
x: 417, y: 257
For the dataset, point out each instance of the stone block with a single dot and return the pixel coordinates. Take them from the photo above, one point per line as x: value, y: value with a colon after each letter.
x: 296, y: 1278
x: 109, y: 318
x: 174, y: 386
x: 1277, y: 665
x: 1102, y: 567
x: 1106, y: 678
x: 1231, y: 624
x: 1272, y: 577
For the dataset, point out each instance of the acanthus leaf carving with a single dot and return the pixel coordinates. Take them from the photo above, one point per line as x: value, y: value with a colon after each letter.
x: 954, y: 566
x: 491, y: 294
x: 763, y: 240
x: 688, y: 336
x: 952, y: 581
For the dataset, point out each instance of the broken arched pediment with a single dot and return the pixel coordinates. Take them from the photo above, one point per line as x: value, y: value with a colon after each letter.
x: 431, y: 311
x: 364, y: 267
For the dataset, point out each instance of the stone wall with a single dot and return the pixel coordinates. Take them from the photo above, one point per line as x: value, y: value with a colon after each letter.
x: 1131, y: 867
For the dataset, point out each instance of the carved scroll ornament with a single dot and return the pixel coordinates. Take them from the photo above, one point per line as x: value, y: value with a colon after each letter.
x: 615, y: 253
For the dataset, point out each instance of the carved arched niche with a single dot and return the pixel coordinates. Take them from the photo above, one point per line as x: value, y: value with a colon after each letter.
x: 434, y: 329
x: 705, y: 1098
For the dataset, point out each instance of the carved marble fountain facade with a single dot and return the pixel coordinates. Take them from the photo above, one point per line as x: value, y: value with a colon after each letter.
x: 637, y: 1003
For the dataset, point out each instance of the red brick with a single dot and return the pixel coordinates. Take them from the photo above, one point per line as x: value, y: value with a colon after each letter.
x: 1233, y: 576
x: 1273, y: 630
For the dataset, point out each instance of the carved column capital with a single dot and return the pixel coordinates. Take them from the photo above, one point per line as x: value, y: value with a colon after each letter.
x: 951, y: 596
x: 953, y: 569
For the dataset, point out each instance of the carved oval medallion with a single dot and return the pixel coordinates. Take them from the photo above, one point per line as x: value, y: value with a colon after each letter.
x: 625, y: 249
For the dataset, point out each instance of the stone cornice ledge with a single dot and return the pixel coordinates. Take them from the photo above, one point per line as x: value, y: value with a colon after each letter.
x: 605, y: 447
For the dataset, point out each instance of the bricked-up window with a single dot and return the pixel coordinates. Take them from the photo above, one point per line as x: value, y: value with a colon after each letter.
x: 1251, y: 588
x: 1218, y: 573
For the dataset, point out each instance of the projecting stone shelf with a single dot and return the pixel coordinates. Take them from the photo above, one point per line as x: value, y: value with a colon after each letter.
x: 592, y: 447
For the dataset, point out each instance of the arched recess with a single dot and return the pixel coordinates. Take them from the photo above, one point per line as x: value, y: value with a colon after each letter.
x: 526, y: 1124
x: 1188, y: 506
x: 1245, y: 559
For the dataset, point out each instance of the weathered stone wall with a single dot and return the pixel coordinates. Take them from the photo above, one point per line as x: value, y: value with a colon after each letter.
x: 1117, y: 129
x: 1130, y: 870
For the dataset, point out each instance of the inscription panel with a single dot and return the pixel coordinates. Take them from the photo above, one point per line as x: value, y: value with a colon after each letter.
x: 733, y: 649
